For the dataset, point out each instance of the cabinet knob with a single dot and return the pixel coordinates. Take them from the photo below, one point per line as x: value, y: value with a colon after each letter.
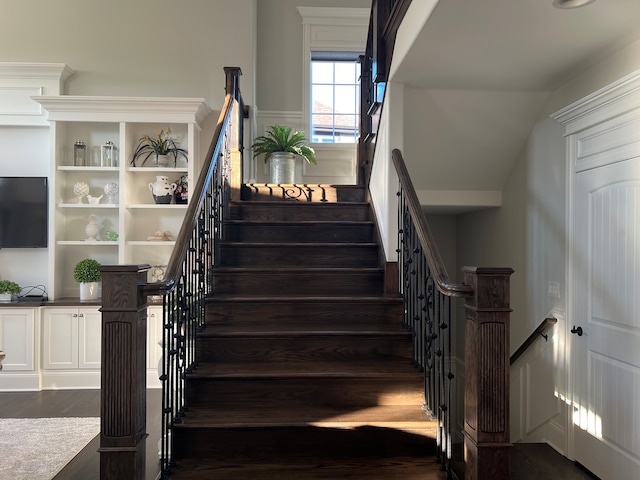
x: 75, y: 315
x: 81, y: 315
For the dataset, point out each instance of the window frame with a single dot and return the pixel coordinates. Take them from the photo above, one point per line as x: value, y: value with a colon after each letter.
x: 349, y: 59
x: 329, y: 29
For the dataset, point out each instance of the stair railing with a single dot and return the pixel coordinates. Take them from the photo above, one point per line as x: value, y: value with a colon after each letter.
x: 384, y: 21
x: 183, y: 291
x: 537, y: 333
x: 427, y: 292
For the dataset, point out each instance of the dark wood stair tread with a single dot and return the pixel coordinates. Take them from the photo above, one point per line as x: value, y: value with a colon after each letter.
x: 315, y: 468
x: 408, y: 418
x: 269, y: 329
x: 300, y: 244
x: 366, y: 299
x: 399, y: 369
x: 298, y: 269
x: 284, y: 223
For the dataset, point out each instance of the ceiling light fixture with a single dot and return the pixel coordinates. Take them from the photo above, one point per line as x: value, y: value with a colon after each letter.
x: 571, y: 3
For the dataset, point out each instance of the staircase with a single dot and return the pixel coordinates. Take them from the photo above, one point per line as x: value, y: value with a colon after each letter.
x: 305, y: 371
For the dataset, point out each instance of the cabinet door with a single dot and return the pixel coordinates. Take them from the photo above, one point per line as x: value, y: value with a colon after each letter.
x: 60, y: 338
x: 90, y: 337
x: 154, y: 337
x: 17, y: 338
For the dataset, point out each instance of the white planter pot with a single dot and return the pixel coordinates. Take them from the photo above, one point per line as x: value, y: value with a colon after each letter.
x: 5, y: 297
x: 90, y: 291
x: 283, y: 167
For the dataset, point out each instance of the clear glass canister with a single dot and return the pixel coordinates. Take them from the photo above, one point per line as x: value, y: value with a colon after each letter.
x: 108, y: 155
x: 79, y: 154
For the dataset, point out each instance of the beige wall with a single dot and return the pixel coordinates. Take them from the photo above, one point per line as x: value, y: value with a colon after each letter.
x: 279, y: 51
x: 135, y: 48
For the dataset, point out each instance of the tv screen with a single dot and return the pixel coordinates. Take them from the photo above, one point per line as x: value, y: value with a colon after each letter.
x: 23, y: 212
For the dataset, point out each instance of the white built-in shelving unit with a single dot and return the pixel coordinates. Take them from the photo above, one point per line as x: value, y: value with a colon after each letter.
x: 133, y: 214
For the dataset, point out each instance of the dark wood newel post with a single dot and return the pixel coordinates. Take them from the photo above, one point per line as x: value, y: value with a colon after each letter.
x: 123, y: 404
x: 237, y: 133
x: 486, y: 404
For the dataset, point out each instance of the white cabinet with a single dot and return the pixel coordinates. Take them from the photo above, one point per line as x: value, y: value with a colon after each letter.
x: 154, y: 345
x: 71, y: 338
x: 132, y: 213
x: 71, y: 346
x: 17, y: 334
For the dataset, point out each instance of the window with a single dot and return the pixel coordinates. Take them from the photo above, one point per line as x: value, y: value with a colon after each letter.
x: 335, y: 97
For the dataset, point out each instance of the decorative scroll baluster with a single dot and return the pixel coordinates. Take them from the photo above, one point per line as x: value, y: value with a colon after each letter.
x: 427, y: 294
x: 187, y: 284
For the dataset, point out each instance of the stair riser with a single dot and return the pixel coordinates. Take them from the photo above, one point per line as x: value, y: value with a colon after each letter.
x: 319, y: 313
x: 313, y: 193
x: 357, y: 392
x: 253, y: 445
x: 294, y: 255
x: 320, y: 283
x: 251, y: 232
x: 300, y: 212
x: 301, y: 349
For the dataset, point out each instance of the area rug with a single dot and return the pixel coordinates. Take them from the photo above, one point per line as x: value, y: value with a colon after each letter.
x: 38, y: 448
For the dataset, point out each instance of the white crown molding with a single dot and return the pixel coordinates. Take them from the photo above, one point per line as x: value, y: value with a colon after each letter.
x: 611, y: 101
x: 334, y: 16
x: 35, y: 70
x: 78, y: 108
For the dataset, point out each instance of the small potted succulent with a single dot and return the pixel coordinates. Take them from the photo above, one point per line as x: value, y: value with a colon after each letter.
x: 162, y: 149
x: 87, y: 274
x: 8, y: 289
x: 282, y: 145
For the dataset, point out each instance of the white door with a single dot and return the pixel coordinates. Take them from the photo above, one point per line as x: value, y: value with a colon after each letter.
x: 606, y: 357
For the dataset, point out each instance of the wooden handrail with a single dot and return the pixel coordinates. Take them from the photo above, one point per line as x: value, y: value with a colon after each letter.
x: 385, y: 19
x: 438, y: 270
x: 124, y: 308
x: 538, y: 332
x: 174, y: 266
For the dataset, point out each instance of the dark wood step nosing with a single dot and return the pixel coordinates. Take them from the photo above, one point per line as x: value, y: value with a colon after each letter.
x: 377, y: 299
x: 254, y: 244
x: 293, y: 223
x: 297, y: 270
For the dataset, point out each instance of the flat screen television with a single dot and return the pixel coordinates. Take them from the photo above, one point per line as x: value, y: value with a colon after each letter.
x: 23, y: 212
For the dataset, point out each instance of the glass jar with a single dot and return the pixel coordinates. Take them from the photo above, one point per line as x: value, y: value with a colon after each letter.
x: 79, y: 154
x: 108, y: 155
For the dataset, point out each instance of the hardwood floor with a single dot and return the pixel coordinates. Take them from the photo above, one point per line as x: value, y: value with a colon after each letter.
x: 528, y: 461
x: 81, y: 403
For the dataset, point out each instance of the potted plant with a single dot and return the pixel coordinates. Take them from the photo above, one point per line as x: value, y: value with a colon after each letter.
x: 8, y: 289
x: 160, y: 148
x: 281, y: 145
x: 87, y: 274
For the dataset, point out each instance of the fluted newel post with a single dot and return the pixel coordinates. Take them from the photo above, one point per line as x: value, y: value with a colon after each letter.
x: 123, y: 407
x: 486, y: 404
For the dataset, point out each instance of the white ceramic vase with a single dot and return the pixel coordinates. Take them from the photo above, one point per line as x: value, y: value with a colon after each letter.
x: 162, y: 190
x: 5, y: 297
x: 89, y: 291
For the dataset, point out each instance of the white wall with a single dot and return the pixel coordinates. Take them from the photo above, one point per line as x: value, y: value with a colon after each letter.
x: 528, y: 234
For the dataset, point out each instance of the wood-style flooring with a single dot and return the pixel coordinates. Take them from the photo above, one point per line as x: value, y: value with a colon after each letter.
x: 82, y: 403
x: 528, y: 461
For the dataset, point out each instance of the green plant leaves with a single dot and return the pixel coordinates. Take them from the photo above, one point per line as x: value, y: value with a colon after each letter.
x: 279, y: 138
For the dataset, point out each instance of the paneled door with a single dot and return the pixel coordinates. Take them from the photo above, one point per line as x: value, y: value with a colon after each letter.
x: 606, y: 310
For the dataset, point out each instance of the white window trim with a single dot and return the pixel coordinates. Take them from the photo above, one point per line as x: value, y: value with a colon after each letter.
x: 333, y: 29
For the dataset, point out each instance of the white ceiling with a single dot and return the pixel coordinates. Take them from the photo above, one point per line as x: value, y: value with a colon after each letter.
x: 515, y: 44
x: 485, y: 69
